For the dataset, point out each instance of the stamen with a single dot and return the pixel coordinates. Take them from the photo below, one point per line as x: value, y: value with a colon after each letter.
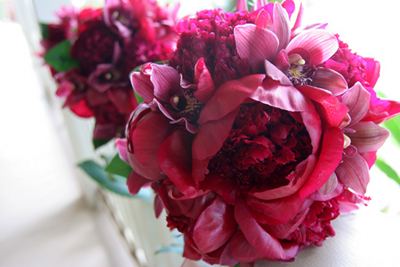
x: 108, y: 76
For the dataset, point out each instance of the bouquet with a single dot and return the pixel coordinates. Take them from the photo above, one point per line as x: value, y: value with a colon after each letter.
x: 255, y: 135
x: 91, y: 53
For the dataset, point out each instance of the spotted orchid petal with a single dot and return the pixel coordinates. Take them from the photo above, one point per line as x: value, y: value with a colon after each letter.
x: 315, y: 46
x: 255, y: 45
x: 368, y: 136
x: 330, y: 80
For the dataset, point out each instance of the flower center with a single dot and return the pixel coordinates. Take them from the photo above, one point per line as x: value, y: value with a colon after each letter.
x: 263, y: 147
x: 187, y: 105
x: 299, y: 73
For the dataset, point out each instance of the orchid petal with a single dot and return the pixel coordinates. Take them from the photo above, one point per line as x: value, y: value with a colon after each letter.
x: 241, y: 5
x: 354, y: 173
x: 289, y: 6
x: 121, y: 144
x: 299, y: 18
x: 372, y: 69
x: 175, y: 160
x: 330, y: 80
x: 166, y: 80
x: 64, y: 89
x: 357, y: 100
x: 320, y: 45
x: 331, y: 155
x: 330, y: 185
x: 229, y: 96
x: 142, y: 85
x: 281, y: 26
x: 255, y: 234
x: 215, y: 226
x: 263, y: 20
x: 368, y: 136
x: 255, y: 45
x: 282, y: 61
x: 135, y: 182
x: 276, y: 74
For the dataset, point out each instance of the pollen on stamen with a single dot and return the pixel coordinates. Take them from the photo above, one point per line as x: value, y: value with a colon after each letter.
x: 108, y: 76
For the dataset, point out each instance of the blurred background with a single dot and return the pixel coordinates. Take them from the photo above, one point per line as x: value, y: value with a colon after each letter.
x: 49, y: 214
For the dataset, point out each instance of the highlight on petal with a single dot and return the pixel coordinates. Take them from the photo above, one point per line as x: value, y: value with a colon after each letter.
x: 368, y: 136
x: 215, y: 226
x: 319, y: 44
x: 354, y: 173
x: 330, y: 80
x: 255, y: 45
x: 357, y: 100
x: 122, y: 149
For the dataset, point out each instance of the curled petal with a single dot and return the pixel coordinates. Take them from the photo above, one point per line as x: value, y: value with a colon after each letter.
x: 141, y: 83
x: 368, y: 136
x: 354, y: 173
x: 357, y: 100
x: 204, y: 81
x: 276, y: 74
x: 255, y: 45
x: 135, y: 182
x: 319, y: 46
x: 373, y: 69
x: 330, y: 80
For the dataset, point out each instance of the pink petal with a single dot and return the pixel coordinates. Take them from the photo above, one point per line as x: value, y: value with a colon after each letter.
x: 241, y: 249
x: 175, y: 160
x: 329, y: 159
x: 263, y: 20
x: 204, y: 81
x: 229, y: 96
x: 211, y: 136
x: 80, y: 108
x: 255, y: 234
x: 166, y: 80
x: 281, y: 61
x: 276, y: 74
x: 299, y: 18
x: 357, y: 100
x: 122, y: 149
x: 354, y: 173
x: 141, y: 83
x: 320, y: 45
x: 330, y: 185
x: 373, y: 69
x: 289, y: 6
x: 368, y: 136
x: 255, y: 45
x: 330, y: 80
x: 241, y: 5
x: 64, y: 89
x: 331, y: 111
x: 135, y: 182
x: 281, y: 26
x: 215, y: 226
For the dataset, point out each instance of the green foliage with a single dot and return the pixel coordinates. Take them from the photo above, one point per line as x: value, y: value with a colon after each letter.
x: 44, y: 29
x: 171, y: 248
x: 119, y: 167
x: 59, y: 57
x: 393, y: 126
x: 385, y: 168
x: 99, y: 142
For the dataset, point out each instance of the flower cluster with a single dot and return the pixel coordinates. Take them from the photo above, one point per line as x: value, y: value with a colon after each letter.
x: 91, y: 53
x: 255, y: 136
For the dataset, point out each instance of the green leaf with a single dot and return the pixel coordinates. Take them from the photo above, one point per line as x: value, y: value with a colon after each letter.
x: 99, y: 142
x: 119, y: 167
x: 385, y: 168
x: 171, y: 248
x: 44, y: 29
x: 237, y: 265
x: 59, y: 57
x: 138, y: 98
x: 393, y: 126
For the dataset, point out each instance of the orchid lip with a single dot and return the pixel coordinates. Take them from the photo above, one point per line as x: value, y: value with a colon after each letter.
x: 186, y: 105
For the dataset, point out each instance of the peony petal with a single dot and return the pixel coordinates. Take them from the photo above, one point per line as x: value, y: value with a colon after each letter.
x: 281, y: 26
x: 261, y: 240
x: 277, y: 211
x: 255, y: 45
x: 354, y: 173
x: 330, y: 109
x: 319, y: 45
x: 229, y: 96
x: 368, y: 136
x: 104, y: 131
x: 212, y: 135
x: 121, y: 144
x: 135, y: 182
x: 357, y: 100
x: 123, y: 99
x: 330, y: 80
x: 226, y: 257
x: 226, y: 189
x: 174, y: 158
x: 215, y: 226
x: 64, y: 89
x: 329, y: 159
x: 204, y: 81
x: 80, y: 107
x: 280, y: 96
x: 276, y: 74
x: 241, y: 249
x: 166, y: 81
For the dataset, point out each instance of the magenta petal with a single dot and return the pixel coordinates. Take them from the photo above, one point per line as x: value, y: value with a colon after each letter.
x: 135, y: 182
x: 215, y: 226
x: 175, y: 160
x: 330, y: 80
x: 373, y: 69
x: 229, y: 96
x: 263, y: 19
x: 165, y: 80
x: 289, y: 6
x: 255, y: 45
x: 276, y: 74
x: 357, y: 100
x: 212, y: 135
x: 122, y: 149
x: 64, y: 89
x: 281, y: 26
x: 281, y: 61
x: 354, y: 173
x: 221, y: 186
x: 329, y: 159
x: 241, y: 249
x: 368, y: 136
x: 204, y: 81
x: 241, y: 5
x: 255, y: 234
x: 319, y: 44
